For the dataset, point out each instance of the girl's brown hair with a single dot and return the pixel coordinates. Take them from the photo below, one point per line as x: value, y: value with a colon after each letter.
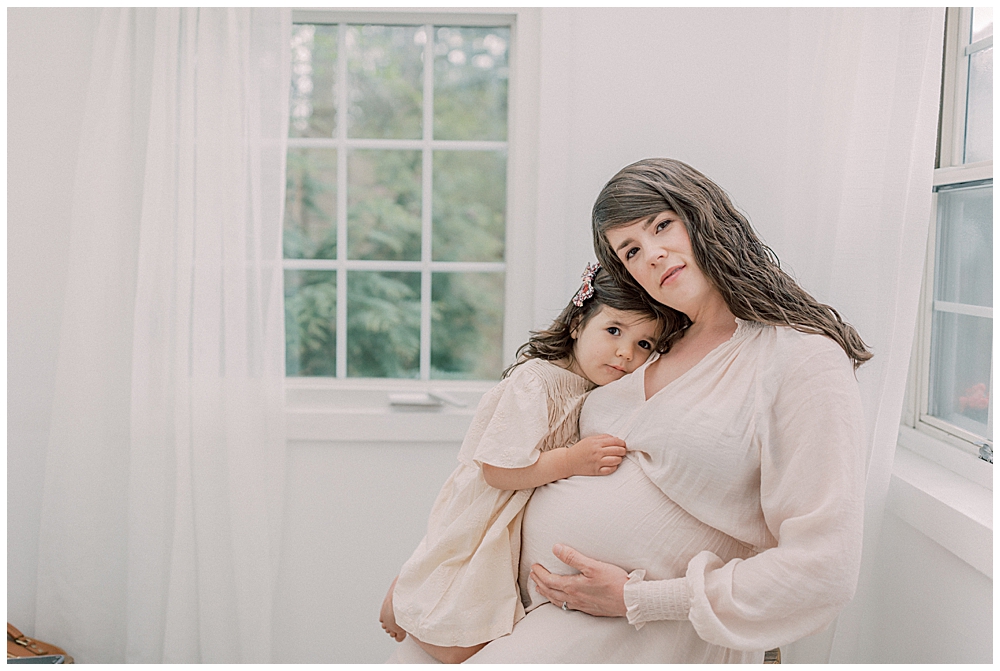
x: 556, y: 342
x: 743, y: 269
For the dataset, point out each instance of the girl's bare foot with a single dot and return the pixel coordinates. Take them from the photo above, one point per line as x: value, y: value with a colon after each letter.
x: 388, y: 618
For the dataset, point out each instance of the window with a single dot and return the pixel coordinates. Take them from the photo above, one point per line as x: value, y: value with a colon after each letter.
x: 395, y: 232
x: 953, y: 380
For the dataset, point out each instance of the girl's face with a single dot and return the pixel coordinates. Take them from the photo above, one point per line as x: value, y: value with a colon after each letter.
x: 657, y: 253
x: 612, y: 344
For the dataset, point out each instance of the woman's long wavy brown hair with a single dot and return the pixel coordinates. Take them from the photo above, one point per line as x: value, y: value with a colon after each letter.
x: 743, y: 269
x: 556, y: 342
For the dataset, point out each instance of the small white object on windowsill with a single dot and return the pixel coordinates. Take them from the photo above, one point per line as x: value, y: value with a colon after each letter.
x: 423, y: 400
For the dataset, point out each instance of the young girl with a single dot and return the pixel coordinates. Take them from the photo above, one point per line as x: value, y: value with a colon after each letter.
x: 458, y: 590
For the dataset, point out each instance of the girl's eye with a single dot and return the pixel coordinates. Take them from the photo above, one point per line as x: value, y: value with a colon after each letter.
x: 645, y: 344
x: 614, y: 330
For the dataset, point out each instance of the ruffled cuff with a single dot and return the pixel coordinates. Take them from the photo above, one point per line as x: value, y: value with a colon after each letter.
x: 655, y: 600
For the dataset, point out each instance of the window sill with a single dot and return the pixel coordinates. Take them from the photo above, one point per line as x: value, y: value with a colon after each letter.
x: 323, y: 409
x: 945, y: 452
x: 952, y: 510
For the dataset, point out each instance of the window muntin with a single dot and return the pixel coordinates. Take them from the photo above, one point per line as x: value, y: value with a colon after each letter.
x: 955, y: 339
x: 395, y: 228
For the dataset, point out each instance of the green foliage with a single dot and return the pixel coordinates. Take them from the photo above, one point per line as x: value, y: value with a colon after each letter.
x: 470, y: 83
x: 470, y: 193
x: 310, y: 204
x: 466, y: 325
x: 310, y: 323
x: 383, y: 324
x: 383, y: 218
x: 314, y: 79
x: 386, y: 78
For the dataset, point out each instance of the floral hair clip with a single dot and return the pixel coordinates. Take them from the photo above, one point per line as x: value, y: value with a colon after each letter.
x: 587, y: 290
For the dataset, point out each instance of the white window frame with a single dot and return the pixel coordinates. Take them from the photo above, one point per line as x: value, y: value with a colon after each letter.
x: 321, y: 407
x: 932, y: 438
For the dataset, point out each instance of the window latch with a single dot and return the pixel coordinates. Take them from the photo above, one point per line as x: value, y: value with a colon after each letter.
x: 986, y: 452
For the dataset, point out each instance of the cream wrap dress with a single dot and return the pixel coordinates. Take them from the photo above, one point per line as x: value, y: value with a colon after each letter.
x: 737, y: 511
x: 459, y: 588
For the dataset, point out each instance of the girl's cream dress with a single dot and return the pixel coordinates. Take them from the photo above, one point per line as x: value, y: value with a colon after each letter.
x: 459, y: 588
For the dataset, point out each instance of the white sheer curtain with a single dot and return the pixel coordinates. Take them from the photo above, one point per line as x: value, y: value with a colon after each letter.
x: 165, y: 467
x: 859, y: 167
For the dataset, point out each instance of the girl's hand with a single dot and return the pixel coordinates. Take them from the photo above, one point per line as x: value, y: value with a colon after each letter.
x: 599, y: 588
x: 596, y: 455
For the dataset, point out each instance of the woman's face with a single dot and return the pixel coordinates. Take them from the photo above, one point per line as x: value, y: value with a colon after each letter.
x: 657, y: 253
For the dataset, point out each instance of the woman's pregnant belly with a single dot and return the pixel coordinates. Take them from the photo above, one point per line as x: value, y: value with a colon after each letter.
x: 622, y: 519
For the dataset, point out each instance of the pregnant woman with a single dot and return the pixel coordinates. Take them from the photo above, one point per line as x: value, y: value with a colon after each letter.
x: 734, y: 524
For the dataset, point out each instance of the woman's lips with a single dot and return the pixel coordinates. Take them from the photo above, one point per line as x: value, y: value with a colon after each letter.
x: 671, y: 274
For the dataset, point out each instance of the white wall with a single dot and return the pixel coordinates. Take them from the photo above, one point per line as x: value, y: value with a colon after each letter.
x: 355, y: 511
x: 353, y: 515
x: 704, y: 86
x: 931, y: 608
x: 48, y: 64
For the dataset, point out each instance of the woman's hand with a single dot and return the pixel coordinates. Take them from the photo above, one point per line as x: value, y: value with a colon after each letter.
x: 388, y: 618
x: 599, y: 588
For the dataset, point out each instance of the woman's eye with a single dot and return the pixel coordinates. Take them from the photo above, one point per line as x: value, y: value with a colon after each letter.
x: 645, y: 344
x: 663, y: 224
x: 630, y: 253
x: 614, y: 330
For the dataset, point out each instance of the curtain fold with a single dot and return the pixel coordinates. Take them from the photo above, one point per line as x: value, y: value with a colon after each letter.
x: 165, y: 468
x: 859, y: 170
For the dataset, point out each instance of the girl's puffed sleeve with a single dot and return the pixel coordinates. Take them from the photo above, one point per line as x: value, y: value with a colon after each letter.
x: 812, y: 484
x: 519, y: 422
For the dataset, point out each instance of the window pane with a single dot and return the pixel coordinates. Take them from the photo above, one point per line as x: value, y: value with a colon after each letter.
x: 385, y: 81
x: 383, y: 201
x: 979, y: 113
x: 310, y: 229
x: 470, y: 83
x: 470, y: 193
x: 310, y: 322
x: 383, y: 324
x: 314, y: 76
x: 964, y: 272
x: 467, y: 325
x: 961, y: 360
x: 982, y: 22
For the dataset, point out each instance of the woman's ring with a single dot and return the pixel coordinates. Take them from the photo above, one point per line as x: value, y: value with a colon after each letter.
x: 564, y: 605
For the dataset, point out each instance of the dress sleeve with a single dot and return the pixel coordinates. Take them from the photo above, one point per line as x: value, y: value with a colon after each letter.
x: 812, y: 481
x: 519, y: 423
